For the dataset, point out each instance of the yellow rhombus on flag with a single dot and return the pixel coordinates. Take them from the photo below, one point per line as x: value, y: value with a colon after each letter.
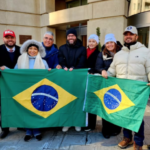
x: 114, y: 99
x: 64, y: 98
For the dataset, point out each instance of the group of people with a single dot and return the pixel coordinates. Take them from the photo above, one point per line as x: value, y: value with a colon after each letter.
x: 129, y: 61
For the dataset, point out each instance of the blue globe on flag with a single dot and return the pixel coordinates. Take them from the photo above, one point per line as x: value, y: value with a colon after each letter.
x: 44, y: 98
x: 112, y: 99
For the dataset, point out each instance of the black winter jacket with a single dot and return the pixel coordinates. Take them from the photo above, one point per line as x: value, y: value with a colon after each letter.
x: 91, y: 61
x: 5, y: 59
x: 72, y: 56
x: 104, y: 62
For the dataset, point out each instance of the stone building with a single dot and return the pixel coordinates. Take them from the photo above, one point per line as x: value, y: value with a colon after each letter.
x: 32, y: 18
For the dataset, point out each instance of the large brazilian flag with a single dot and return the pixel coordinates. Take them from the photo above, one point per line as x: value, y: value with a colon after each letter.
x: 119, y: 101
x: 42, y: 98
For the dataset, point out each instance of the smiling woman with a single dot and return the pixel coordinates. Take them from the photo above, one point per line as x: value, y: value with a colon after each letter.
x: 103, y: 62
x: 33, y: 51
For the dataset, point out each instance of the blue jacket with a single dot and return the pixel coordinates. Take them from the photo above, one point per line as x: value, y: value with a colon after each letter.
x: 51, y: 56
x: 31, y: 63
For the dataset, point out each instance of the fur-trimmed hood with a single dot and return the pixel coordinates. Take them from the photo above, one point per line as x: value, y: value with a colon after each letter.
x: 29, y: 42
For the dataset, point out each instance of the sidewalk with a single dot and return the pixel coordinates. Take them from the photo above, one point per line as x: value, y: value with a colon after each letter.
x: 57, y: 140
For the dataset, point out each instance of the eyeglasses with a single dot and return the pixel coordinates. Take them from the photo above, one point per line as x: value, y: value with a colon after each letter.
x: 46, y: 38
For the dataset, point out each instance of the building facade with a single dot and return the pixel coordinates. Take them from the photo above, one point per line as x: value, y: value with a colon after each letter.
x: 32, y: 18
x: 139, y: 16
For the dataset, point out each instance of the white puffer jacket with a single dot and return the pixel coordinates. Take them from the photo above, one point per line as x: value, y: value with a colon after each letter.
x: 131, y: 64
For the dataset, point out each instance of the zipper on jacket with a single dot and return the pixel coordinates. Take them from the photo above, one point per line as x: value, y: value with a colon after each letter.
x: 128, y: 65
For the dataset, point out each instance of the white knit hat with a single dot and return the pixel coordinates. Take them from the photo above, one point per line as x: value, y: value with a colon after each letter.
x: 94, y: 37
x: 110, y: 38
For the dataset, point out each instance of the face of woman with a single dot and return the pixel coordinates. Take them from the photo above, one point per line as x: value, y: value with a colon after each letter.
x: 110, y: 46
x: 92, y: 44
x: 33, y: 51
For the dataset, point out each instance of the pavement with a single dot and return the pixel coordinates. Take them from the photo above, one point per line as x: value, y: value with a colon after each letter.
x: 55, y: 139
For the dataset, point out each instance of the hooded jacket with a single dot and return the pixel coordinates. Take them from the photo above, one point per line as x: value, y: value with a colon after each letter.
x: 131, y: 64
x: 72, y: 56
x: 24, y: 49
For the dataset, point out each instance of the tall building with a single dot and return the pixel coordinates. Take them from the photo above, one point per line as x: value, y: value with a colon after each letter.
x: 32, y: 18
x: 139, y: 16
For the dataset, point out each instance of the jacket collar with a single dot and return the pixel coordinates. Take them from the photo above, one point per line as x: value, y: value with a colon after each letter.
x: 133, y: 47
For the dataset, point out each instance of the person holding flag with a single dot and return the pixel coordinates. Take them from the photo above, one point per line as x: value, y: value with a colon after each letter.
x: 9, y: 53
x: 132, y: 62
x: 71, y: 56
x: 31, y: 58
x: 103, y: 62
x: 92, y: 53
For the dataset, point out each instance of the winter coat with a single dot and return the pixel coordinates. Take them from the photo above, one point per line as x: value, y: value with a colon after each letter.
x: 72, y: 56
x: 103, y: 62
x: 131, y: 64
x: 32, y: 61
x: 5, y: 59
x: 91, y: 61
x: 51, y: 56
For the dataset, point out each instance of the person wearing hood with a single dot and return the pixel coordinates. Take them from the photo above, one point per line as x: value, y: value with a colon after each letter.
x: 103, y: 62
x: 31, y: 58
x: 71, y: 56
x: 92, y: 53
x: 51, y: 50
x: 132, y: 62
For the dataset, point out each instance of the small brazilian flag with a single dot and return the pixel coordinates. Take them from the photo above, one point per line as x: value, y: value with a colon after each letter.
x: 42, y: 98
x: 119, y: 101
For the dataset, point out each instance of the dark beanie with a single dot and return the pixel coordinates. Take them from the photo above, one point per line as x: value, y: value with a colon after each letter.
x: 32, y: 45
x: 72, y: 31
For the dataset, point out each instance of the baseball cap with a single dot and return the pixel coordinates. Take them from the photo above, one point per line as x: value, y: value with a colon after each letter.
x: 131, y: 29
x: 9, y: 32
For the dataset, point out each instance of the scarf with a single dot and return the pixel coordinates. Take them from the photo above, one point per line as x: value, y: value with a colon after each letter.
x: 23, y: 62
x: 90, y: 51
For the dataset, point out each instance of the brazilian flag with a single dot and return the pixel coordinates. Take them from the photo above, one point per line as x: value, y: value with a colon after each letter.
x: 119, y: 101
x: 42, y: 98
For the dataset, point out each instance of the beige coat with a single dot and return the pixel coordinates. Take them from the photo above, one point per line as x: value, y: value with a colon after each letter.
x: 131, y: 64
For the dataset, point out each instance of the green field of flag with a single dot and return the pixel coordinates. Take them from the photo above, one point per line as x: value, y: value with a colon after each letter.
x: 42, y: 98
x: 119, y: 101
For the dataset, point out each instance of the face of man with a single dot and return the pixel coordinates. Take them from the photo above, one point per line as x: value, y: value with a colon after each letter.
x: 9, y: 41
x: 130, y: 37
x: 48, y: 40
x: 71, y: 38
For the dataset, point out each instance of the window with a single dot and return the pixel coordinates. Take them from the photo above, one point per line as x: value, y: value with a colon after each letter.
x: 147, y: 6
x: 144, y: 36
x: 134, y: 6
x: 83, y: 2
x: 137, y: 6
x: 75, y: 3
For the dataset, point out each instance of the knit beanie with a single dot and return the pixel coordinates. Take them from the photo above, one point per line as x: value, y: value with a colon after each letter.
x: 72, y: 31
x: 94, y: 37
x: 110, y: 38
